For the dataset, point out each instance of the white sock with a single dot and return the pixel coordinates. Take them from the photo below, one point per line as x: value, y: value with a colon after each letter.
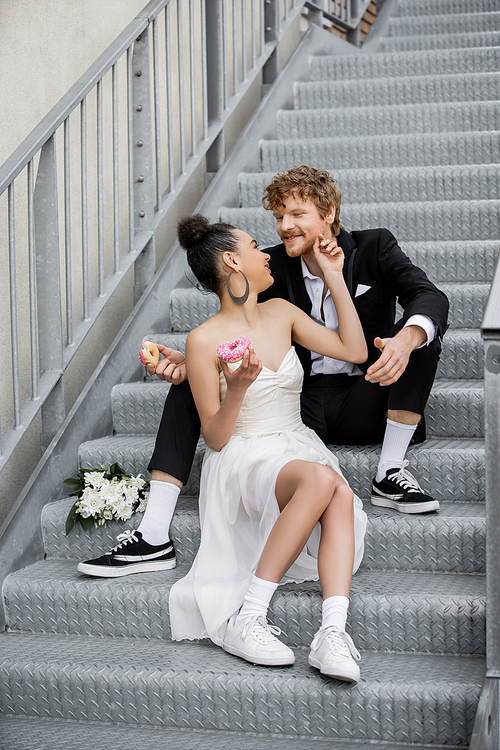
x: 396, y: 441
x: 257, y: 598
x: 335, y: 612
x: 155, y: 523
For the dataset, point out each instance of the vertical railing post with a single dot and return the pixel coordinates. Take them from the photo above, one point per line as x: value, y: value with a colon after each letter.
x: 143, y: 162
x: 492, y: 457
x: 271, y: 28
x: 48, y: 287
x: 215, y: 82
x: 354, y: 35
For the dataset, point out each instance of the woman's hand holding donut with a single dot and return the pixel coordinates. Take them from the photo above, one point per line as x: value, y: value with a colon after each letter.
x: 244, y: 375
x: 172, y: 368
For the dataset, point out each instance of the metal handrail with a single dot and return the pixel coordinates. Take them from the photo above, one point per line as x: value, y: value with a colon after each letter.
x: 346, y: 13
x: 158, y: 170
x: 157, y: 143
x: 486, y: 735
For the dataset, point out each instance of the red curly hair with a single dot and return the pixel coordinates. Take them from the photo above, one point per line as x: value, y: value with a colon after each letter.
x: 305, y: 183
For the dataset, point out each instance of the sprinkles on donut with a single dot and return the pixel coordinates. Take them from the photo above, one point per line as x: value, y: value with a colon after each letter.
x: 233, y: 351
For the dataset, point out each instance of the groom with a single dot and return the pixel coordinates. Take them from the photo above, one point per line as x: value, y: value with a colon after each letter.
x: 381, y: 401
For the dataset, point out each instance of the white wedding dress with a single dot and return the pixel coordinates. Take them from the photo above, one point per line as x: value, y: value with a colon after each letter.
x: 238, y: 507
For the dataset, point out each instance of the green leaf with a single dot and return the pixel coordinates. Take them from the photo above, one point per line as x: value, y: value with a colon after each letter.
x: 74, y: 484
x: 86, y: 523
x: 71, y: 519
x: 117, y: 470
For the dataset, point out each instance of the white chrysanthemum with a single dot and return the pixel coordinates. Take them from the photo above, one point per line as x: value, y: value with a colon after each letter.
x: 123, y: 510
x: 94, y: 479
x: 91, y: 503
x: 137, y: 481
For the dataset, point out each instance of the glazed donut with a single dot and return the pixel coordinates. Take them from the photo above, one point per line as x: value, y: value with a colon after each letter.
x: 149, y: 354
x: 233, y: 351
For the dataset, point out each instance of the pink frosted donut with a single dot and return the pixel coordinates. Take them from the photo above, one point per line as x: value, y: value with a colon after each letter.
x: 233, y: 351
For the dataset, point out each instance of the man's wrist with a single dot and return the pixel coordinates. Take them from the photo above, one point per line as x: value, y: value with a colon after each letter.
x: 415, y: 335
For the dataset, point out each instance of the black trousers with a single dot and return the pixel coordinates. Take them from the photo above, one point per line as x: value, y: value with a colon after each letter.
x: 341, y: 409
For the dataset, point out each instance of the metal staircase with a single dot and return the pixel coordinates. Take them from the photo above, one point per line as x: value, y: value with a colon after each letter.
x: 412, y: 135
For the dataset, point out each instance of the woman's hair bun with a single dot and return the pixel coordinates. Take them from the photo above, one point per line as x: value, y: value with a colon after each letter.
x: 191, y: 230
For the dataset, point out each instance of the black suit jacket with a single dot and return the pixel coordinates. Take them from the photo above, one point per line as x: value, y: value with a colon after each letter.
x: 374, y: 259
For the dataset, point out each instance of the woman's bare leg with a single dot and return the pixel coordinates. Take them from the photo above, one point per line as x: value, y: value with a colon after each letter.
x: 308, y: 493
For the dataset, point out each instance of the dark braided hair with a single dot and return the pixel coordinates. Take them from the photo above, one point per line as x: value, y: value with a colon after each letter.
x: 204, y: 244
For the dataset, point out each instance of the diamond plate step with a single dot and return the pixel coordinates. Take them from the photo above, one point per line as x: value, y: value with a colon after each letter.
x: 455, y: 408
x: 432, y: 220
x: 449, y: 23
x: 451, y: 540
x: 462, y: 355
x: 398, y: 611
x: 450, y: 469
x: 394, y: 119
x: 401, y: 697
x: 381, y: 64
x: 467, y: 303
x: 429, y: 7
x: 16, y: 733
x: 397, y: 184
x: 440, y: 41
x: 418, y: 150
x: 464, y: 87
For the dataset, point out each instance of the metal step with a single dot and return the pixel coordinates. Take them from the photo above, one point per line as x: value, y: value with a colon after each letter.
x: 467, y: 303
x: 455, y: 408
x: 405, y: 612
x: 462, y: 356
x: 427, y: 221
x: 191, y: 308
x: 430, y: 7
x: 394, y: 119
x: 464, y: 87
x: 380, y: 64
x: 450, y: 469
x: 401, y: 697
x: 397, y: 184
x: 448, y: 23
x: 17, y: 733
x: 450, y: 541
x: 363, y: 152
x: 440, y: 41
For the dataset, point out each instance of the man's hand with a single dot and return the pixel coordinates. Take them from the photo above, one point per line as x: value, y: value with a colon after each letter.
x: 171, y: 368
x: 328, y: 254
x: 395, y: 355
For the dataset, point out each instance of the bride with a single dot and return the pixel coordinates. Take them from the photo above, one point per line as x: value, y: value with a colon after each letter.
x: 274, y: 506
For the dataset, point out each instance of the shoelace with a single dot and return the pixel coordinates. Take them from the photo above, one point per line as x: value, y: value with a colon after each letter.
x: 405, y: 480
x: 339, y: 640
x: 127, y: 537
x: 266, y: 632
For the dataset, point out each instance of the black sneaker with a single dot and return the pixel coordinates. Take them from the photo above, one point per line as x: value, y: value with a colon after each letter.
x: 131, y: 555
x: 401, y: 491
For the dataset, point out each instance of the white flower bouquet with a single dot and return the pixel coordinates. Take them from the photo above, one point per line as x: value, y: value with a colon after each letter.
x: 104, y: 496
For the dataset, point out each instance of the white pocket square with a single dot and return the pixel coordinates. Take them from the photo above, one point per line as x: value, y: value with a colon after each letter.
x: 362, y: 288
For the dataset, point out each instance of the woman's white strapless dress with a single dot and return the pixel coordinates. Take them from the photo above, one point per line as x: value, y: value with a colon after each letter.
x: 238, y: 507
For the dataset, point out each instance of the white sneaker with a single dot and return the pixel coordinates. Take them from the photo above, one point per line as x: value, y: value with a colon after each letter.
x: 255, y: 640
x: 332, y: 652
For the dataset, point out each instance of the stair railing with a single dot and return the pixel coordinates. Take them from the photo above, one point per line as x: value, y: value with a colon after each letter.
x: 86, y: 190
x: 486, y: 735
x: 347, y: 14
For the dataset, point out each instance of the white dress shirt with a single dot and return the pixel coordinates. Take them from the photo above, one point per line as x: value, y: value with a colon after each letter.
x: 326, y: 365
